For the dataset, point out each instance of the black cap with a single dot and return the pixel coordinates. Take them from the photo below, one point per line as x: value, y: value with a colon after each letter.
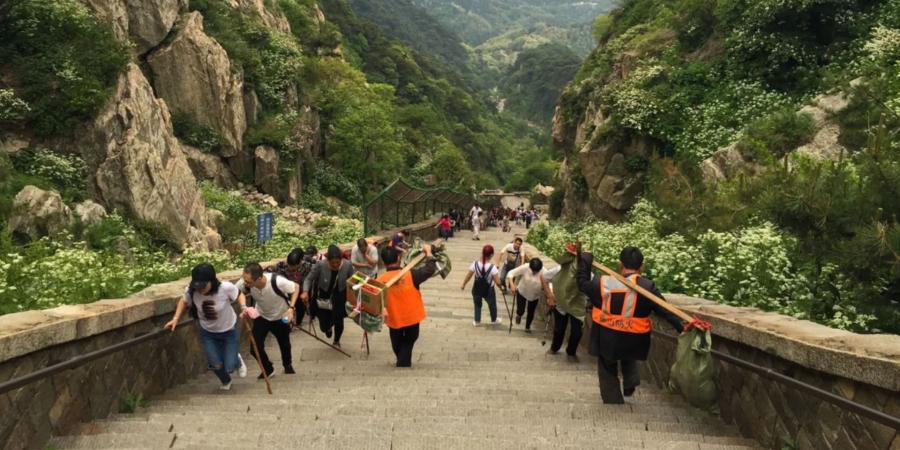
x: 201, y: 275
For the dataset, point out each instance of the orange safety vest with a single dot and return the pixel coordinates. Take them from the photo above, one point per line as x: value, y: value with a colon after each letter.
x: 404, y: 302
x: 612, y: 289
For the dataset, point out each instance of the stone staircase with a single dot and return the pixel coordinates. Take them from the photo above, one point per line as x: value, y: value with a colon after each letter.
x: 468, y: 388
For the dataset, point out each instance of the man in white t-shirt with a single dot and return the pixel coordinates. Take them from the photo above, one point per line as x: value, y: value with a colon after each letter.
x: 512, y: 256
x: 364, y: 257
x: 275, y: 298
x: 528, y: 283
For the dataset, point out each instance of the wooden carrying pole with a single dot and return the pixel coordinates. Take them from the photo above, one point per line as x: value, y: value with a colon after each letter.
x: 653, y: 297
x: 258, y: 356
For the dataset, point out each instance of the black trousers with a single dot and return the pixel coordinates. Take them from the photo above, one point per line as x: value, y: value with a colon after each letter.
x: 608, y: 374
x: 520, y: 309
x: 403, y: 340
x: 282, y: 333
x: 331, y: 319
x: 299, y: 312
x: 562, y: 321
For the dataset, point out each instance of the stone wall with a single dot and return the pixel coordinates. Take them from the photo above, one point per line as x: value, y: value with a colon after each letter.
x: 863, y: 368
x: 32, y: 340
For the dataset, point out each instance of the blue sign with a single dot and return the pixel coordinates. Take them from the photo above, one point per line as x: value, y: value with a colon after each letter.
x: 264, y: 225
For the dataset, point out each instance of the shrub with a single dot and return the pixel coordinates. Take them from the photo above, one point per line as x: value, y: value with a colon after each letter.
x: 192, y: 133
x: 240, y: 223
x: 65, y: 60
x: 777, y: 133
x: 12, y: 108
x: 65, y: 173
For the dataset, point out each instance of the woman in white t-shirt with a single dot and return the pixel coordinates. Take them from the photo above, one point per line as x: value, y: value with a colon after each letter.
x: 218, y: 329
x: 486, y: 277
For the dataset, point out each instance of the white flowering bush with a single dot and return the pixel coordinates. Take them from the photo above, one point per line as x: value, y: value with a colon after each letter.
x: 67, y: 173
x: 718, y: 121
x: 12, y: 108
x: 751, y: 266
x: 116, y: 261
x: 884, y: 44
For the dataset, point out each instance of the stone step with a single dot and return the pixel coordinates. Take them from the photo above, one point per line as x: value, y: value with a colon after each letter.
x: 470, y: 388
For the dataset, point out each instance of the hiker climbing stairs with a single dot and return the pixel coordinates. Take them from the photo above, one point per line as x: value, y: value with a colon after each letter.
x: 468, y: 388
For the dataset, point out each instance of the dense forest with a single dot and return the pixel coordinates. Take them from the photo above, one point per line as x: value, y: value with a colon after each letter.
x: 761, y: 139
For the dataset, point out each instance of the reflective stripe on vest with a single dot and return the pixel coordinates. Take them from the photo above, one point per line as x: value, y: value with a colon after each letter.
x: 624, y: 320
x: 404, y: 305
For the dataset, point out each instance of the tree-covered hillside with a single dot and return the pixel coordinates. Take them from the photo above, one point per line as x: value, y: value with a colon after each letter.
x: 476, y: 21
x: 531, y: 87
x: 762, y: 136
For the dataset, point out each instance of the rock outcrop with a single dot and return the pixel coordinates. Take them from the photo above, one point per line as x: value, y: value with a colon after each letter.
x: 595, y: 173
x: 90, y: 212
x: 272, y: 20
x: 145, y: 23
x: 266, y: 170
x: 138, y: 166
x: 728, y: 161
x: 209, y: 167
x: 38, y: 213
x: 193, y: 74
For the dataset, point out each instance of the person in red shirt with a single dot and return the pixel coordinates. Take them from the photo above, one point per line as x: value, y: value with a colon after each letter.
x: 444, y: 227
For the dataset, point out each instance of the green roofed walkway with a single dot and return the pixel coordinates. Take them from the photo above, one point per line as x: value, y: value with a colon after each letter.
x: 469, y: 388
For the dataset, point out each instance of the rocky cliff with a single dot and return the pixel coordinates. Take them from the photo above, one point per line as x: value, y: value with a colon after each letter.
x: 140, y: 164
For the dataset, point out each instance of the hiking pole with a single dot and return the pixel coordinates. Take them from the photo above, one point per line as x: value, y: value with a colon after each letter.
x: 258, y: 356
x: 508, y: 311
x: 316, y: 336
x: 548, y: 324
x: 653, y: 297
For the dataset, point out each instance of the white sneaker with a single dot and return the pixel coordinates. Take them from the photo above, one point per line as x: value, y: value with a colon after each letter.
x: 476, y: 324
x: 242, y: 370
x: 225, y: 387
x: 497, y: 322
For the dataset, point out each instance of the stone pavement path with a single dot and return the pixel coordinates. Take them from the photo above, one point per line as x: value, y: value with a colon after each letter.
x: 468, y: 388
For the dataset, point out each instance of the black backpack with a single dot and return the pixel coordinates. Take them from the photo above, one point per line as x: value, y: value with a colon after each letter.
x: 482, y: 286
x: 275, y: 289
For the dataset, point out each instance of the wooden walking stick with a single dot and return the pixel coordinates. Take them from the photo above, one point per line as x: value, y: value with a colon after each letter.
x: 508, y: 311
x: 653, y: 297
x: 258, y: 356
x: 316, y: 336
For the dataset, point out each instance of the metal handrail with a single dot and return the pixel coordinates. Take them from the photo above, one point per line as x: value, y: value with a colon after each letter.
x: 837, y: 400
x: 16, y: 383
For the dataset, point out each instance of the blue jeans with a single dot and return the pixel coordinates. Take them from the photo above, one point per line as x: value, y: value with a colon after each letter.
x: 221, y: 352
x: 491, y: 300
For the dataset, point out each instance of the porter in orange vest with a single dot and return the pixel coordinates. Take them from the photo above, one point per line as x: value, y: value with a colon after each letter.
x: 620, y: 334
x: 404, y: 309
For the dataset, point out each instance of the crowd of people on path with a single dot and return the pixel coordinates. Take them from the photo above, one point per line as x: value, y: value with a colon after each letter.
x: 313, y: 285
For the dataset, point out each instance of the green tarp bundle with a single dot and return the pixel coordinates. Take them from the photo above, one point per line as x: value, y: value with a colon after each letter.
x: 568, y: 298
x: 437, y: 251
x: 694, y: 372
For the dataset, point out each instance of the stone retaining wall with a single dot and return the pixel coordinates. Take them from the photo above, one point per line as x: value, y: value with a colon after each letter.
x: 32, y: 340
x: 864, y: 368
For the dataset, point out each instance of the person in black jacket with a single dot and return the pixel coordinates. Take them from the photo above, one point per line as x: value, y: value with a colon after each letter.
x: 620, y: 333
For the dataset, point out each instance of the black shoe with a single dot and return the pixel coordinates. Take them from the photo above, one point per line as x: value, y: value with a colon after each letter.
x: 572, y: 358
x: 336, y: 344
x: 552, y: 352
x: 628, y: 392
x: 270, y: 375
x: 289, y: 370
x: 518, y: 320
x: 328, y: 334
x: 528, y: 330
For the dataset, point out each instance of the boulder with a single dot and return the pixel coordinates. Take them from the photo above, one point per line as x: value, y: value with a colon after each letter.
x: 145, y: 23
x: 215, y: 217
x: 209, y: 167
x: 38, y: 213
x: 824, y: 145
x: 193, y: 74
x: 12, y: 143
x: 89, y: 212
x: 266, y: 170
x: 137, y: 165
